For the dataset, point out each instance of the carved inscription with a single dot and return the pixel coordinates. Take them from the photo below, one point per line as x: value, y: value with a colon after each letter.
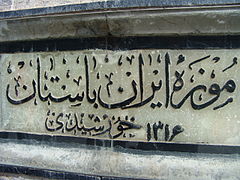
x: 144, y: 95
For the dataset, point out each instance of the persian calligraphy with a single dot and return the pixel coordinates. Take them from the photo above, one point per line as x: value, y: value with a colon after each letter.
x: 137, y: 95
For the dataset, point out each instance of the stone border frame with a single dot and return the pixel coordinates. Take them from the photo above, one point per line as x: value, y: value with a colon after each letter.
x: 154, y: 147
x: 125, y: 43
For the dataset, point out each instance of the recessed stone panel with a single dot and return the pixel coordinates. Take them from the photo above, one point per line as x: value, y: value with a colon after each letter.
x: 156, y: 95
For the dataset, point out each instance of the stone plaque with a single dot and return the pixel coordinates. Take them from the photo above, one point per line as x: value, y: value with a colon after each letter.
x: 136, y: 95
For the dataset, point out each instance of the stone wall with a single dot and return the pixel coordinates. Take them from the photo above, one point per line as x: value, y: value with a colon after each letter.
x: 11, y: 5
x: 89, y: 89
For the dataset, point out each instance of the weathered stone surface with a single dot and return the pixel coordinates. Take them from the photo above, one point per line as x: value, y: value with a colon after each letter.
x: 29, y: 4
x: 6, y: 176
x: 139, y: 95
x: 5, y: 5
x: 73, y: 5
x: 123, y: 163
x: 156, y: 22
